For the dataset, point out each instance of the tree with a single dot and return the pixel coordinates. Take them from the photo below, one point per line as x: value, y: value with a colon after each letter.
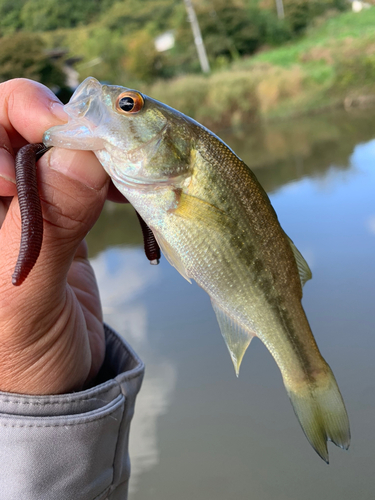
x: 229, y: 29
x: 142, y: 61
x: 23, y: 55
x: 10, y: 15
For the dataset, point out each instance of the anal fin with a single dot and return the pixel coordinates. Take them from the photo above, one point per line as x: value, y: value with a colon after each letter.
x: 235, y: 335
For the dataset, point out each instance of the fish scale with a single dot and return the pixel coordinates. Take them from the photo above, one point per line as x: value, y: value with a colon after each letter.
x: 245, y: 294
x: 215, y: 224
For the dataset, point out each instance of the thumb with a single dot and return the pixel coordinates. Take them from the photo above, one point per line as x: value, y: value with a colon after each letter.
x: 72, y: 187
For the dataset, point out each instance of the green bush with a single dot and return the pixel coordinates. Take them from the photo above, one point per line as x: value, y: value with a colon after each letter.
x: 23, y: 55
x: 356, y: 72
x: 187, y: 94
x: 45, y: 15
x: 232, y: 99
x: 225, y: 99
x: 301, y: 13
x: 230, y: 30
x: 274, y: 31
x: 10, y: 15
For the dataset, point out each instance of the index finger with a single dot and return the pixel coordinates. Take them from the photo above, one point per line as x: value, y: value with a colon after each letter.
x: 27, y: 110
x: 7, y: 174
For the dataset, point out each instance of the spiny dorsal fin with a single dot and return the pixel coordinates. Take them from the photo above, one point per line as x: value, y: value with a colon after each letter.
x: 304, y: 271
x: 236, y: 336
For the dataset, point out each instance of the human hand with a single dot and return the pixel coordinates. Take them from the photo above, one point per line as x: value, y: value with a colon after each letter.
x: 51, y: 329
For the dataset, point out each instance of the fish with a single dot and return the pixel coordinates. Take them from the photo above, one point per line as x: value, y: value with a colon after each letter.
x: 215, y: 224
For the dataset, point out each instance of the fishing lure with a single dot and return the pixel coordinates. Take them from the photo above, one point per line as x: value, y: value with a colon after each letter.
x: 32, y: 218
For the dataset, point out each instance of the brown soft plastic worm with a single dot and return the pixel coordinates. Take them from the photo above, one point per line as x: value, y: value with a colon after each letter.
x: 32, y: 219
x: 30, y: 208
x: 151, y: 246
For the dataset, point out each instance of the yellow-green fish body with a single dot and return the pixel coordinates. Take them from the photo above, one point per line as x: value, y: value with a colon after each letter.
x: 215, y: 224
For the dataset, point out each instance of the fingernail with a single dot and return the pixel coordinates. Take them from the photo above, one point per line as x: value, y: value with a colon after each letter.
x: 81, y: 166
x: 7, y: 165
x: 6, y: 178
x: 57, y: 109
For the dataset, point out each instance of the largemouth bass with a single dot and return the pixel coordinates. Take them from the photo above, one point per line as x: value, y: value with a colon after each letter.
x: 215, y: 224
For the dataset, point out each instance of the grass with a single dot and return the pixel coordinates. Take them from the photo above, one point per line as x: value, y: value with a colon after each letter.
x: 335, y: 59
x: 328, y: 34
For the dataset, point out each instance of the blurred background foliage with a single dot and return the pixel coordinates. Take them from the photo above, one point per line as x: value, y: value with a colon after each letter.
x: 23, y: 54
x: 261, y: 65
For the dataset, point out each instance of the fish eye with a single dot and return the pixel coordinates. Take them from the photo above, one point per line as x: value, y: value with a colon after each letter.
x: 129, y: 102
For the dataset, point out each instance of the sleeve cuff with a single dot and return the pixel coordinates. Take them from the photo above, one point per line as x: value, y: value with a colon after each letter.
x: 72, y: 445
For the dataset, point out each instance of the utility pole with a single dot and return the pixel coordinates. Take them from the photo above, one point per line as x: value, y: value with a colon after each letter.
x: 280, y: 9
x: 205, y: 65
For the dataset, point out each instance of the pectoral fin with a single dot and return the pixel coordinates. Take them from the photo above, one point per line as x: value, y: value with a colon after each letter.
x: 171, y: 255
x: 304, y: 271
x: 236, y: 336
x: 190, y: 207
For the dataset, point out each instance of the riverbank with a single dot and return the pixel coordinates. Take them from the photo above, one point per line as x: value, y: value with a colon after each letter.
x: 333, y: 65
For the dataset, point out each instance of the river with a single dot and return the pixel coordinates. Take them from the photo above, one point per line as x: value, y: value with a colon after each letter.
x: 198, y: 431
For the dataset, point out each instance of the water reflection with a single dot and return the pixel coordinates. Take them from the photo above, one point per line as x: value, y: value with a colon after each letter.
x: 308, y: 146
x: 370, y: 224
x: 123, y: 278
x: 198, y: 431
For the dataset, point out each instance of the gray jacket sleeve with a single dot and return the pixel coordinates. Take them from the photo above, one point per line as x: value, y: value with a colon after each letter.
x: 72, y: 446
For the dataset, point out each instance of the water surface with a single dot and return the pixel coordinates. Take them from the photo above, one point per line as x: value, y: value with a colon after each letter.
x: 198, y: 431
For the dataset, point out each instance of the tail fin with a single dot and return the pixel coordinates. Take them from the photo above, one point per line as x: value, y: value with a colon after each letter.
x: 321, y: 412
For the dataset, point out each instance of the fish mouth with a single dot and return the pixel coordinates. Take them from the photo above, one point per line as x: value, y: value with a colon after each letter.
x: 86, y: 103
x: 86, y: 112
x: 81, y: 100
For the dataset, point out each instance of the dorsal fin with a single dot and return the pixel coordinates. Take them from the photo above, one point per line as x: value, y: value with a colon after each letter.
x: 304, y: 271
